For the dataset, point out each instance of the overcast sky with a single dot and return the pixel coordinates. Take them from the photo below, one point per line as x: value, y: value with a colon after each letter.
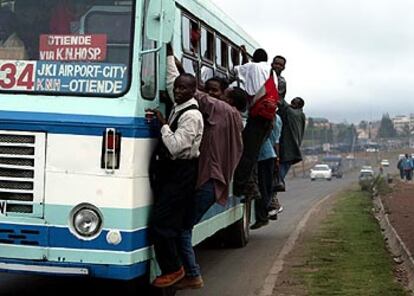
x: 349, y: 59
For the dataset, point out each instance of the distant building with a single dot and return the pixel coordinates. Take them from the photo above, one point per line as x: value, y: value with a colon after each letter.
x: 321, y: 122
x: 363, y: 134
x: 401, y: 121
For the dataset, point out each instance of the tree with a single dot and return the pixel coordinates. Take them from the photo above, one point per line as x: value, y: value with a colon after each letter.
x: 311, y: 123
x: 406, y: 131
x: 386, y: 129
x: 363, y: 125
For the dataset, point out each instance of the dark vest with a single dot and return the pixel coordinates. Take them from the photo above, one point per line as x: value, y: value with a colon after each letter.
x: 161, y: 156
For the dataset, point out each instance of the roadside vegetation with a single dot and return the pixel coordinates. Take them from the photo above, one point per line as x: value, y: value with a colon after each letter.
x: 347, y: 254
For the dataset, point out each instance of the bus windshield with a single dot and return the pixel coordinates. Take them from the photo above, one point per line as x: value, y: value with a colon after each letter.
x: 66, y: 47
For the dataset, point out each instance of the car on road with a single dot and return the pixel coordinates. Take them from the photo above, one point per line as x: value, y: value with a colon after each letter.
x: 366, y: 172
x: 366, y: 177
x: 321, y: 171
x: 385, y: 163
x: 367, y: 168
x: 335, y: 163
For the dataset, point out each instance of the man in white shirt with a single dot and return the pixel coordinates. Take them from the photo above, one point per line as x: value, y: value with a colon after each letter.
x: 174, y: 175
x: 253, y: 75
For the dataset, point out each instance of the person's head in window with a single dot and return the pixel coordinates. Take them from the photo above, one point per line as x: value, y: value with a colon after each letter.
x: 184, y: 88
x: 195, y: 36
x: 216, y: 87
x: 259, y: 55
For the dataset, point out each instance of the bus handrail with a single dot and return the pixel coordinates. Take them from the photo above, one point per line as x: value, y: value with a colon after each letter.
x: 160, y: 17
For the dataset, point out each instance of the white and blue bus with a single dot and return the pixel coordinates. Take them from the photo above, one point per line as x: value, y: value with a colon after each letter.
x: 75, y: 79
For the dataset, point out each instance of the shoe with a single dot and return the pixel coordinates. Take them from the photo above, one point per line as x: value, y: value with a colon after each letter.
x: 259, y: 224
x: 280, y: 210
x: 189, y: 282
x: 279, y: 187
x: 169, y: 279
x: 272, y: 215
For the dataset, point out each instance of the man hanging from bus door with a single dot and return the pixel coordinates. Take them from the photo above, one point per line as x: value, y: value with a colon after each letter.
x: 173, y: 173
x: 266, y: 165
x: 253, y: 76
x: 278, y: 65
x: 220, y: 151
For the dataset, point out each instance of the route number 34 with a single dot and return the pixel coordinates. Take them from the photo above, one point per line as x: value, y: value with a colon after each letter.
x: 17, y: 77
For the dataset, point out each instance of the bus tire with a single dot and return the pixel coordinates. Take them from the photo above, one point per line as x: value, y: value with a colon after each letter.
x: 237, y: 235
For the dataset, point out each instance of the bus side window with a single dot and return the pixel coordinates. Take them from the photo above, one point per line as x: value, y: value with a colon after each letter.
x: 149, y: 66
x: 218, y: 52
x: 190, y: 35
x: 206, y: 73
x: 190, y: 66
x: 224, y: 54
x: 234, y: 61
x: 221, y: 74
x: 207, y: 45
x: 235, y: 57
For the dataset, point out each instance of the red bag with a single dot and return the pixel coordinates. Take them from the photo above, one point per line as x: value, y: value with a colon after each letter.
x: 267, y: 98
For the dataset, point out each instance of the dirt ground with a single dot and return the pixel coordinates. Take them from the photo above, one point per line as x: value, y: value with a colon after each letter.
x: 400, y: 208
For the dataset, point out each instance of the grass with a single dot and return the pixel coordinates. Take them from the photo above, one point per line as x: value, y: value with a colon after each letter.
x: 347, y: 256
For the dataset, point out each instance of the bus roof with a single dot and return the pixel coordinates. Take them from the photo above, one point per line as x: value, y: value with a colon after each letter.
x: 211, y: 14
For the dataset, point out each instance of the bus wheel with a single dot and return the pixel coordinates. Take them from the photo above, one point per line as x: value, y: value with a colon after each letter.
x: 237, y: 234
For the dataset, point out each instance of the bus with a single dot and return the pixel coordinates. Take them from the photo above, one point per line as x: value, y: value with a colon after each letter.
x: 76, y: 77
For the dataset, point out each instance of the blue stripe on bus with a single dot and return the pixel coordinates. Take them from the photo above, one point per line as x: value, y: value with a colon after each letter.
x: 118, y: 272
x: 90, y: 125
x: 60, y: 237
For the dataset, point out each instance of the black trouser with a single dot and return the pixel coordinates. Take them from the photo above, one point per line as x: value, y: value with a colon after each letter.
x: 174, y: 189
x: 254, y: 134
x: 265, y: 170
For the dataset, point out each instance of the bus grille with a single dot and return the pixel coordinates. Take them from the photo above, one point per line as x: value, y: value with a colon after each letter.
x: 21, y: 157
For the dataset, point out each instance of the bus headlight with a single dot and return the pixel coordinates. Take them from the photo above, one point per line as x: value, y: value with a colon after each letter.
x: 86, y: 221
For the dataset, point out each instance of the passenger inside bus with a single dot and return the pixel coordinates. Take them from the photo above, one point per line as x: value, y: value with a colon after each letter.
x: 11, y: 46
x: 32, y: 21
x: 195, y: 36
x: 29, y: 19
x: 66, y: 14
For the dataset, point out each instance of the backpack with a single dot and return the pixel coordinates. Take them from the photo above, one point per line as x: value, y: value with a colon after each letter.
x: 265, y: 106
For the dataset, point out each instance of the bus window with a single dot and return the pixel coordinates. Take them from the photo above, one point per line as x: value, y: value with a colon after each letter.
x: 118, y: 30
x: 206, y: 73
x: 149, y: 66
x: 190, y: 35
x: 66, y: 47
x: 218, y: 52
x: 190, y: 66
x: 207, y: 45
x: 221, y: 74
x: 235, y: 57
x: 224, y: 54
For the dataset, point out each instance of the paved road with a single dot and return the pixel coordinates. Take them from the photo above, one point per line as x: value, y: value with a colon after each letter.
x: 241, y: 272
x: 226, y: 272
